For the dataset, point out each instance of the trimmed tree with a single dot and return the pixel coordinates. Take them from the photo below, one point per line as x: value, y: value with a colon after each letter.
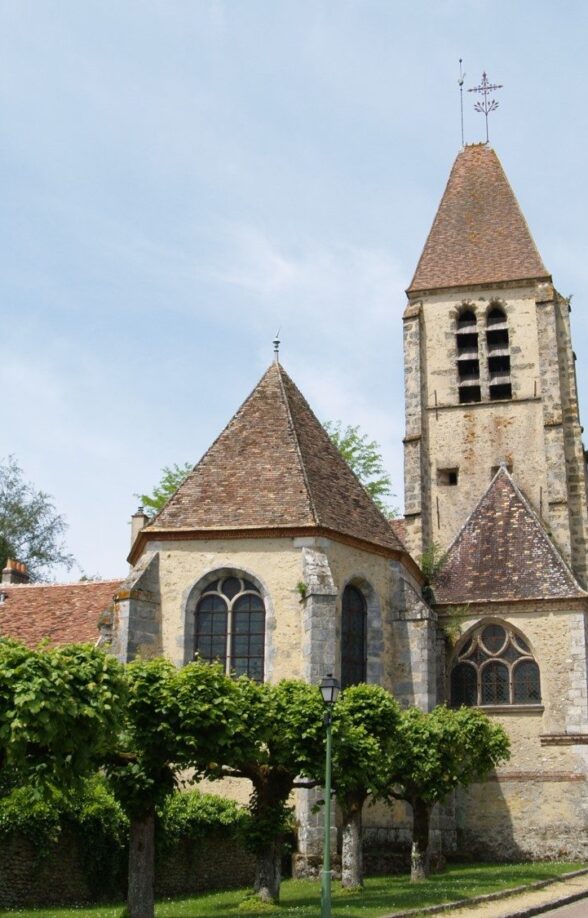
x: 280, y: 736
x: 437, y: 752
x: 60, y: 710
x: 365, y: 722
x: 175, y: 718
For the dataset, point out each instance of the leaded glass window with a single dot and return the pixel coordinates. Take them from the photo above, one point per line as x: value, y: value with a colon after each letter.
x: 230, y: 626
x: 353, y: 637
x: 495, y: 666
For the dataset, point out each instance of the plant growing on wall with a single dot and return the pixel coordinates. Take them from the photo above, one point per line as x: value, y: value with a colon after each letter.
x: 432, y: 561
x: 435, y: 753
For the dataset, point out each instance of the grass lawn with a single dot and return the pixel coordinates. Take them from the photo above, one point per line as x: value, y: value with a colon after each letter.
x: 300, y: 898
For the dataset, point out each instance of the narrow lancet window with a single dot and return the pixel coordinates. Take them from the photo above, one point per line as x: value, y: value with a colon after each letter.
x: 353, y: 637
x: 498, y: 345
x: 468, y: 361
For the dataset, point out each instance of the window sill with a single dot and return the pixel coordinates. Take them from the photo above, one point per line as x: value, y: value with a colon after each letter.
x: 512, y: 708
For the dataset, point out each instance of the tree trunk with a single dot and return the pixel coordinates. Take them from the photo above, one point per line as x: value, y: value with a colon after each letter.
x: 419, y: 862
x: 268, y: 874
x: 141, y: 865
x: 352, y: 849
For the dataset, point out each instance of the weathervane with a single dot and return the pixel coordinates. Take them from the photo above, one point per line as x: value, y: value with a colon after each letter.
x: 276, y: 344
x: 486, y: 105
x: 460, y: 83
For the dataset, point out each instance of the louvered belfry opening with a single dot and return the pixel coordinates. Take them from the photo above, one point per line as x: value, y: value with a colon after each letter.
x: 468, y: 358
x: 498, y: 346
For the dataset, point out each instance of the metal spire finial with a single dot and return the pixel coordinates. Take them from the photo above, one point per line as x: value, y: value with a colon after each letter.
x: 276, y: 343
x: 460, y: 82
x: 487, y: 105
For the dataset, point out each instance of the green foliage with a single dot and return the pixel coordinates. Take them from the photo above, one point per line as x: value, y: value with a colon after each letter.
x: 172, y: 476
x: 365, y: 723
x: 59, y: 710
x: 278, y: 736
x: 30, y: 529
x: 364, y: 458
x: 432, y: 562
x: 444, y: 749
x: 174, y: 718
x: 91, y: 814
x: 194, y: 815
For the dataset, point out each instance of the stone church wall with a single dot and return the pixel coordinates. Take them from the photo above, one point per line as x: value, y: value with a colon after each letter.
x: 536, y: 805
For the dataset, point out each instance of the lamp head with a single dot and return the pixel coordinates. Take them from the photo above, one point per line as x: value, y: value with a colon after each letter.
x: 330, y: 689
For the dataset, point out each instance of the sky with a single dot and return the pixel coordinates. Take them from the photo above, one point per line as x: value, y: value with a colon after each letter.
x: 182, y: 177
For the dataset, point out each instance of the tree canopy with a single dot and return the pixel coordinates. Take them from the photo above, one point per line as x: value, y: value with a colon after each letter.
x: 364, y: 458
x: 435, y: 753
x: 31, y: 530
x: 172, y: 477
x: 365, y: 722
x: 59, y: 710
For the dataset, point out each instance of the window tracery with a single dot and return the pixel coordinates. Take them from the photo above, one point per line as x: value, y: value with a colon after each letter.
x: 230, y: 626
x: 495, y: 666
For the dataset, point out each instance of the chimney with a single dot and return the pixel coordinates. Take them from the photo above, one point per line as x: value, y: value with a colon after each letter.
x: 15, y: 572
x: 138, y: 521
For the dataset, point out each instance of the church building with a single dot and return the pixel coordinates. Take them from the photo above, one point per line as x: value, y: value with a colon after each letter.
x: 272, y: 558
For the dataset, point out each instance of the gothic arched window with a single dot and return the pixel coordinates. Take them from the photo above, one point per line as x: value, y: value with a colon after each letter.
x: 468, y: 360
x: 230, y: 626
x: 497, y: 341
x: 353, y: 637
x: 494, y: 666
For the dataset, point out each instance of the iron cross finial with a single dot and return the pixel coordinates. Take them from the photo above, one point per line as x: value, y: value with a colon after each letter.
x: 486, y: 105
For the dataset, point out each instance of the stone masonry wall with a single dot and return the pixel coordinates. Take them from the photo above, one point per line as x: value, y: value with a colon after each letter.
x: 57, y: 876
x: 536, y: 805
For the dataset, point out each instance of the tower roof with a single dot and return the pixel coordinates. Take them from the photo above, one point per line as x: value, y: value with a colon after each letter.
x: 479, y: 235
x: 274, y: 467
x: 503, y: 553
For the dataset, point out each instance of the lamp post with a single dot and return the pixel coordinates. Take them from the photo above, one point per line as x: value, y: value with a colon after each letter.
x: 329, y: 690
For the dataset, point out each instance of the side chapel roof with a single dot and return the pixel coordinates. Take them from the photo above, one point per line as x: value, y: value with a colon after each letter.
x: 479, y: 235
x: 274, y: 467
x: 503, y: 553
x: 62, y: 613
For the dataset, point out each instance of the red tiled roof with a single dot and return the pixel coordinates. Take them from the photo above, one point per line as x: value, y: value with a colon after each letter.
x: 398, y: 525
x: 63, y: 613
x: 274, y: 467
x: 503, y: 553
x: 479, y: 234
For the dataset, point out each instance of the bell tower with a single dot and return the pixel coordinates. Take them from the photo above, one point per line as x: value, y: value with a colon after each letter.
x: 489, y: 370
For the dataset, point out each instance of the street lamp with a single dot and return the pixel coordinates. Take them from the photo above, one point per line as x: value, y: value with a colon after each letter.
x: 329, y: 690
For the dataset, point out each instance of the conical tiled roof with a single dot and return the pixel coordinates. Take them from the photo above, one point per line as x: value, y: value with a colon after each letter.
x: 274, y: 467
x: 503, y: 553
x: 479, y: 235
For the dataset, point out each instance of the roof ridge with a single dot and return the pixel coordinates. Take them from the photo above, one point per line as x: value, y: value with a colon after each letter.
x: 210, y: 448
x: 66, y: 583
x: 297, y: 443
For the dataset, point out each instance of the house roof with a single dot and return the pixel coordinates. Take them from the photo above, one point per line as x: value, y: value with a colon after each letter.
x: 274, y: 467
x: 503, y: 553
x: 479, y: 235
x: 63, y: 613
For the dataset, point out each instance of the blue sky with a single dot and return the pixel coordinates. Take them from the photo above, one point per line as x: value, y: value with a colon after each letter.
x: 181, y: 178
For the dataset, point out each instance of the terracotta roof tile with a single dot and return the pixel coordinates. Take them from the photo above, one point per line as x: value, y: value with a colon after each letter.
x: 62, y: 613
x: 503, y: 553
x: 479, y: 234
x: 274, y: 466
